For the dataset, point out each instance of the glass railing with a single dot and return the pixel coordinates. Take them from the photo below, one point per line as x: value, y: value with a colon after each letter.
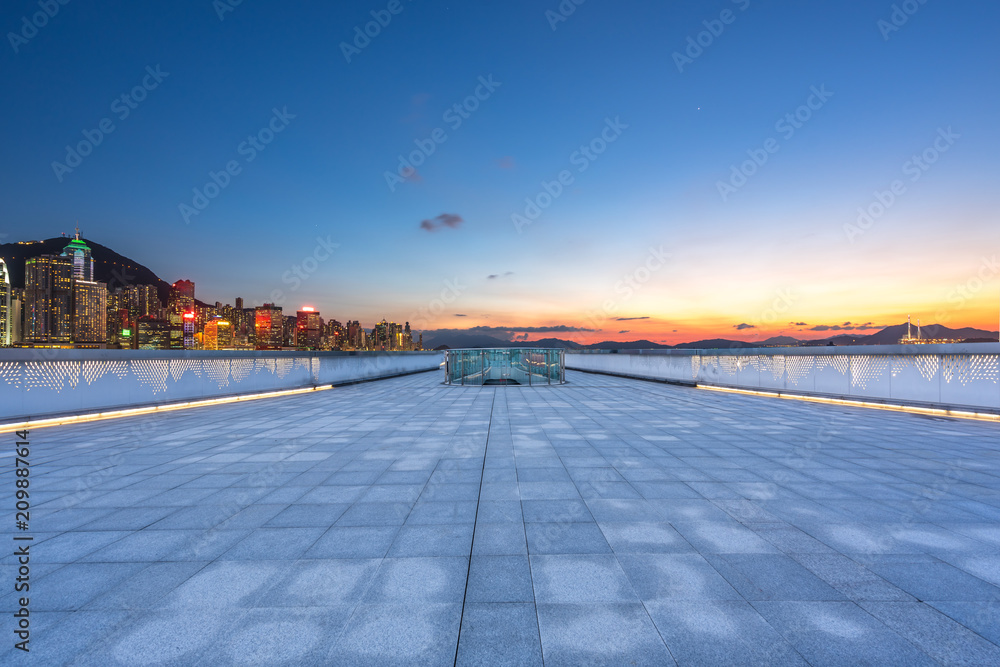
x: 516, y: 365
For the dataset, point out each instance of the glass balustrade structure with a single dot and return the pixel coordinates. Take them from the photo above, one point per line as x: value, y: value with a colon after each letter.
x: 522, y: 366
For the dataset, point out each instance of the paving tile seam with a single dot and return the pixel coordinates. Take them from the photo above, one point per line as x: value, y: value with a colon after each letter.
x: 527, y: 548
x: 472, y: 543
x: 371, y: 582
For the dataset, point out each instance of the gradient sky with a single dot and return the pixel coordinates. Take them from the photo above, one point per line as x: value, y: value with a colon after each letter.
x: 773, y: 255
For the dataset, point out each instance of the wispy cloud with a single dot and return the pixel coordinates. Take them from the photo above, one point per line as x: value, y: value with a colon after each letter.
x: 743, y: 326
x: 506, y: 162
x: 449, y: 220
x: 508, y: 333
x: 846, y: 326
x: 494, y: 276
x: 629, y: 319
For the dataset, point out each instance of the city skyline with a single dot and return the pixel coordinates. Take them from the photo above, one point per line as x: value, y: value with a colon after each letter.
x: 529, y: 186
x: 125, y: 311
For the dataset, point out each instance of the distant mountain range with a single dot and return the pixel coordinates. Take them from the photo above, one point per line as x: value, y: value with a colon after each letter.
x: 111, y: 268
x: 888, y: 336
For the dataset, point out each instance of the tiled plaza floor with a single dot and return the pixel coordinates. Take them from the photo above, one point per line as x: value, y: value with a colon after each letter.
x: 607, y: 521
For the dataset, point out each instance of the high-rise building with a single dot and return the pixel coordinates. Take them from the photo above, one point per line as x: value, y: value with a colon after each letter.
x: 90, y: 312
x: 152, y: 334
x: 117, y: 318
x: 268, y: 327
x: 7, y: 311
x: 175, y: 327
x: 79, y: 255
x: 218, y: 334
x: 247, y: 326
x: 239, y: 303
x: 17, y: 314
x: 48, y: 293
x: 188, y: 328
x: 336, y: 335
x: 355, y: 335
x: 308, y: 329
x: 142, y: 300
x: 380, y: 336
x: 181, y: 297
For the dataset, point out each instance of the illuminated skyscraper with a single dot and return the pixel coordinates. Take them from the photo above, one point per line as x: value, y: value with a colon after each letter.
x: 90, y: 312
x: 336, y: 335
x: 7, y: 310
x: 143, y: 300
x: 48, y: 295
x: 188, y: 327
x: 218, y: 334
x: 308, y: 329
x: 354, y: 335
x: 175, y: 323
x: 152, y: 334
x: 269, y: 327
x: 79, y: 255
x: 181, y: 297
x: 380, y: 336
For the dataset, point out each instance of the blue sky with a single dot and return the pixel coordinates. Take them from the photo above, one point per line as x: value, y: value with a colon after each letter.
x: 656, y: 185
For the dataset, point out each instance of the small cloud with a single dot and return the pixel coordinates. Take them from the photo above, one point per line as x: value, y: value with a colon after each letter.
x: 833, y: 327
x: 624, y: 331
x: 460, y: 315
x: 506, y: 162
x: 798, y: 324
x: 846, y: 326
x: 411, y: 174
x: 444, y: 220
x: 418, y: 105
x: 494, y: 276
x: 743, y: 326
x: 629, y: 319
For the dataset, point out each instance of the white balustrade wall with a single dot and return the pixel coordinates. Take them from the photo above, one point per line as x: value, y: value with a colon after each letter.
x: 957, y: 375
x: 40, y: 382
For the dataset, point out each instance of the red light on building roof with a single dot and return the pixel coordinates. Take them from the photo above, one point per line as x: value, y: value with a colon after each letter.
x: 188, y: 316
x: 308, y: 309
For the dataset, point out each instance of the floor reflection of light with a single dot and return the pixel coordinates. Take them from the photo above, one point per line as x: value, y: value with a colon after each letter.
x: 166, y: 407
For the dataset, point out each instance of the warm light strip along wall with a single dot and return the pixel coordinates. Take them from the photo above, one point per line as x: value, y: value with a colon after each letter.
x: 166, y: 407
x: 936, y: 412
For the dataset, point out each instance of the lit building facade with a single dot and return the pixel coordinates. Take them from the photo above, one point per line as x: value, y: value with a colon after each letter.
x: 142, y: 301
x: 268, y: 327
x: 48, y: 294
x: 308, y: 329
x: 7, y: 310
x: 218, y: 334
x: 152, y: 334
x: 181, y: 297
x: 90, y: 312
x: 188, y: 326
